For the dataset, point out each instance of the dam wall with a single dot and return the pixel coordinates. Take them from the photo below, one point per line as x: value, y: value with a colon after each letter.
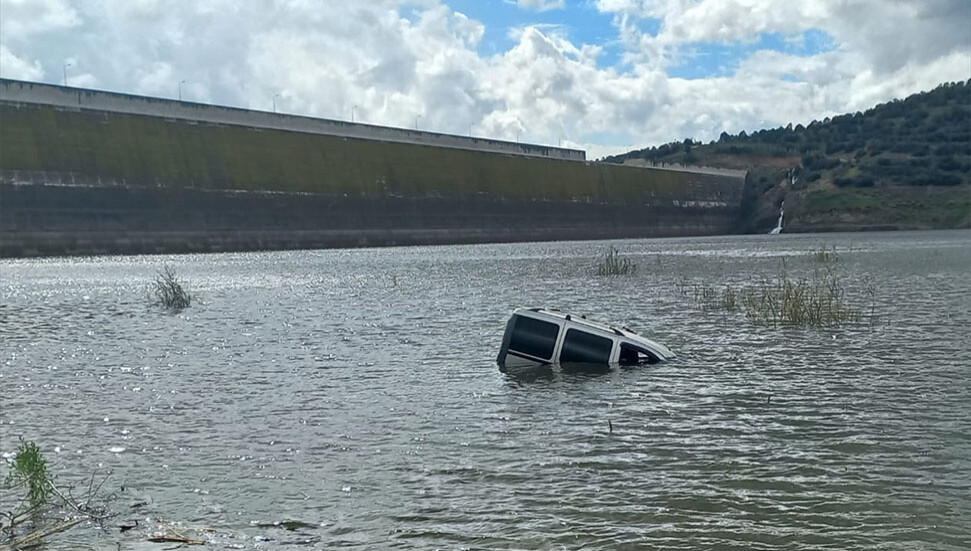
x: 45, y: 220
x: 20, y: 92
x: 84, y: 181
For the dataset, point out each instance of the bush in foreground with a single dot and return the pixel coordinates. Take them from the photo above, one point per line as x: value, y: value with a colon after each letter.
x: 44, y: 508
x: 28, y: 471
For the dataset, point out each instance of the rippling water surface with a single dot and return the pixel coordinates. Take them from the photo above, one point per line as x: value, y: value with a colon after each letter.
x: 355, y: 391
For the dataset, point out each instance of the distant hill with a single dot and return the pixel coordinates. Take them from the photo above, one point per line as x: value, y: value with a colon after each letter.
x: 905, y: 164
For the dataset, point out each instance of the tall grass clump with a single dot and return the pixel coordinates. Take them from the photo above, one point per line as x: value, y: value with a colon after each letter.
x: 710, y: 298
x: 612, y: 264
x: 168, y: 291
x: 729, y: 299
x: 815, y: 301
x: 825, y: 256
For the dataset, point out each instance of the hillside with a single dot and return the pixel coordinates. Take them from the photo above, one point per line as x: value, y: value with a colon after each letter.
x: 905, y: 164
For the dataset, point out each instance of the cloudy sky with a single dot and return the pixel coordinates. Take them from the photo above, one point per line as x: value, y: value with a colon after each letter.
x: 607, y: 76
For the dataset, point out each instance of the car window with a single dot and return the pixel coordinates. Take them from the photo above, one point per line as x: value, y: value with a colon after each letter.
x: 582, y: 347
x: 534, y: 337
x: 633, y: 355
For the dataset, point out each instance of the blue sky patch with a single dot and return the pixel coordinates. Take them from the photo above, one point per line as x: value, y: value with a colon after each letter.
x: 711, y: 59
x: 581, y: 22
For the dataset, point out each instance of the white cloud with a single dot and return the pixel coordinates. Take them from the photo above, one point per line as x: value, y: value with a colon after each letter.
x: 392, y: 61
x: 541, y: 5
x: 19, y: 19
x: 12, y: 66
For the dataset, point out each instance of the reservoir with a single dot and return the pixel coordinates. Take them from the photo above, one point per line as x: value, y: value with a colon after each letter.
x: 353, y: 396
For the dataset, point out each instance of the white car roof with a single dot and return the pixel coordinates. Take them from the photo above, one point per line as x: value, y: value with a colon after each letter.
x: 628, y: 334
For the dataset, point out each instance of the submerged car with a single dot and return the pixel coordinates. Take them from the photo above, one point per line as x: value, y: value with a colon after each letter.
x: 537, y: 336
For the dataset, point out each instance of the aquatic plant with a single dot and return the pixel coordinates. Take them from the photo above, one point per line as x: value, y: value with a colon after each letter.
x: 815, y: 301
x: 729, y: 298
x: 28, y: 470
x: 682, y: 284
x: 706, y: 296
x: 169, y: 292
x: 612, y: 264
x: 710, y: 298
x: 825, y: 256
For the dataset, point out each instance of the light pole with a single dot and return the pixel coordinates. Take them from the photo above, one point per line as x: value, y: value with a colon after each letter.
x: 66, y: 65
x: 274, y: 102
x: 416, y: 121
x: 181, y: 82
x: 352, y: 113
x: 470, y: 130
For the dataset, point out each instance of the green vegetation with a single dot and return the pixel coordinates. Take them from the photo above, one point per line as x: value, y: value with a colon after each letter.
x: 612, y: 264
x: 815, y: 301
x: 135, y: 150
x: 29, y: 472
x: 924, y: 140
x: 44, y: 508
x: 729, y: 298
x: 709, y: 297
x: 169, y: 292
x: 825, y: 256
x: 892, y: 207
x: 905, y: 164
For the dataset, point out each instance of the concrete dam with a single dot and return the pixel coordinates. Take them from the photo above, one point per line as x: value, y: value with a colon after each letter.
x: 92, y: 172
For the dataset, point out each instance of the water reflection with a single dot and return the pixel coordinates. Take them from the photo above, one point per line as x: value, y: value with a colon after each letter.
x: 523, y: 376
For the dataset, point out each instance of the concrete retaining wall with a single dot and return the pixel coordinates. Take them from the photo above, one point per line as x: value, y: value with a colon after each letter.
x: 80, y: 181
x: 15, y: 91
x: 45, y: 144
x: 42, y: 220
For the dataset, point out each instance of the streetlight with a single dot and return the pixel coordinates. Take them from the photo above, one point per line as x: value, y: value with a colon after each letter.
x: 274, y: 102
x: 180, y: 89
x: 470, y: 130
x: 66, y: 65
x: 352, y: 113
x: 416, y: 121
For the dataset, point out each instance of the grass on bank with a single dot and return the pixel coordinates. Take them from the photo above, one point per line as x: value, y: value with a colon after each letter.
x: 43, y: 509
x: 28, y: 471
x: 169, y: 292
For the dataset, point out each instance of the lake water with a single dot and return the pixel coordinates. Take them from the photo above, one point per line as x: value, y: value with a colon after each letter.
x: 356, y: 391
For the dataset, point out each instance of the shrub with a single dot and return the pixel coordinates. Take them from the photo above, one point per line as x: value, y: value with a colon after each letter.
x: 169, y: 292
x: 848, y: 181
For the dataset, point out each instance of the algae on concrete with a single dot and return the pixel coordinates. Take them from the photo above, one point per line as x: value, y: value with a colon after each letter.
x: 136, y: 150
